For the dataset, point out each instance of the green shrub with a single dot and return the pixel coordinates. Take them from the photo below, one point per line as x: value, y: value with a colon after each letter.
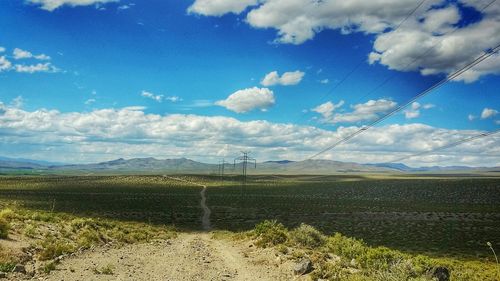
x: 381, y: 258
x: 346, y: 247
x: 48, y: 267
x: 307, y: 236
x: 7, y: 214
x: 270, y: 233
x: 51, y: 248
x: 4, y: 228
x: 7, y: 267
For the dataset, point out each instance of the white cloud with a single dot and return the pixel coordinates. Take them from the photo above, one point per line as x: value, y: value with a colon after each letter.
x: 368, y: 111
x: 173, y: 99
x: 51, y: 5
x: 327, y: 109
x: 39, y: 67
x: 220, y: 7
x: 2, y: 49
x: 248, y: 99
x: 488, y: 113
x: 23, y: 54
x: 149, y: 95
x: 90, y: 101
x: 414, y: 48
x: 160, y: 98
x: 424, y: 43
x: 414, y: 110
x: 5, y: 64
x: 471, y: 117
x: 324, y: 81
x: 126, y: 6
x: 287, y: 79
x: 130, y: 132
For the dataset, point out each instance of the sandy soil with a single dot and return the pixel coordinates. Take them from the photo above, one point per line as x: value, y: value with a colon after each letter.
x: 194, y: 256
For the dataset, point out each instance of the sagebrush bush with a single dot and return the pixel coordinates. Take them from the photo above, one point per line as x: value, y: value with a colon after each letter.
x: 270, y: 233
x: 52, y: 248
x: 307, y: 236
x: 4, y: 228
x: 345, y: 246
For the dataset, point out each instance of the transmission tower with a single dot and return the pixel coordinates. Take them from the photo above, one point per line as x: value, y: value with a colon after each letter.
x: 222, y: 166
x: 244, y: 159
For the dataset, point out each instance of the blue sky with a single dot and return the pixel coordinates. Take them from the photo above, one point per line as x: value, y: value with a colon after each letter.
x: 208, y: 60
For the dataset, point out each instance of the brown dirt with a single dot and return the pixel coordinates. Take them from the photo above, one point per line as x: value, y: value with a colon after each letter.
x: 193, y: 256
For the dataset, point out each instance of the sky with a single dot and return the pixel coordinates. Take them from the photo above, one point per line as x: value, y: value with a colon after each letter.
x: 85, y: 81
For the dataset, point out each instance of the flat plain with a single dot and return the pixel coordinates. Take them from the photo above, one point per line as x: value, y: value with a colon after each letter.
x: 434, y: 215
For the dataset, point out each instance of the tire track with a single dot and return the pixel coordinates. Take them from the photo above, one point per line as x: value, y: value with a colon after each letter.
x: 205, y: 219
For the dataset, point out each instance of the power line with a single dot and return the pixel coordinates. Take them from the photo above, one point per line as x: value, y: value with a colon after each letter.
x: 453, y: 144
x: 348, y: 74
x: 244, y: 161
x: 454, y: 75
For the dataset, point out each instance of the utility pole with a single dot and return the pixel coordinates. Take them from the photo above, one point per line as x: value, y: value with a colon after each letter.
x: 244, y: 159
x: 222, y: 165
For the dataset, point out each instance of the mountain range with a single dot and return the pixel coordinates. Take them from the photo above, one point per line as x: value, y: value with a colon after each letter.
x: 184, y: 165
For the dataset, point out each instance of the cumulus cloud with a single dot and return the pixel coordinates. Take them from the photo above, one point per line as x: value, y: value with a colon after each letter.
x: 23, y: 54
x: 426, y: 42
x: 327, y: 109
x: 488, y: 113
x: 414, y: 110
x: 371, y: 110
x: 51, y: 5
x: 248, y: 99
x: 471, y: 117
x: 287, y: 79
x: 2, y: 49
x: 5, y: 64
x: 20, y: 54
x: 130, y: 132
x: 220, y: 7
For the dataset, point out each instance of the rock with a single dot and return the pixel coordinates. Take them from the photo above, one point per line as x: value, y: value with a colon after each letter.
x: 334, y: 258
x: 354, y: 263
x: 19, y: 268
x: 441, y: 274
x: 302, y: 267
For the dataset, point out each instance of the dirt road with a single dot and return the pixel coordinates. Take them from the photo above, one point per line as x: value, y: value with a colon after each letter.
x: 190, y: 256
x: 194, y: 256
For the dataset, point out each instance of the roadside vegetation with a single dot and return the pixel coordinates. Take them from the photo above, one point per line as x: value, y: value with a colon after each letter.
x: 338, y: 257
x: 49, y: 237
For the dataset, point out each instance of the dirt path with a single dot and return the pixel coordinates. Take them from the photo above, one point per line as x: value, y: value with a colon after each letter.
x: 191, y: 256
x: 205, y: 219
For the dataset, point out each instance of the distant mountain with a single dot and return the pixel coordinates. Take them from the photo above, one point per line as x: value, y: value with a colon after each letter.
x: 144, y: 165
x: 280, y: 162
x: 316, y: 167
x: 402, y: 167
x: 184, y: 165
x: 24, y: 160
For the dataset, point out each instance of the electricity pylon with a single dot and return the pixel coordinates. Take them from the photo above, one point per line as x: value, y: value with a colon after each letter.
x: 222, y: 165
x: 244, y: 159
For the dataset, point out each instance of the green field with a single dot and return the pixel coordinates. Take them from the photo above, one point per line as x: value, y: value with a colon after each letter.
x: 438, y: 216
